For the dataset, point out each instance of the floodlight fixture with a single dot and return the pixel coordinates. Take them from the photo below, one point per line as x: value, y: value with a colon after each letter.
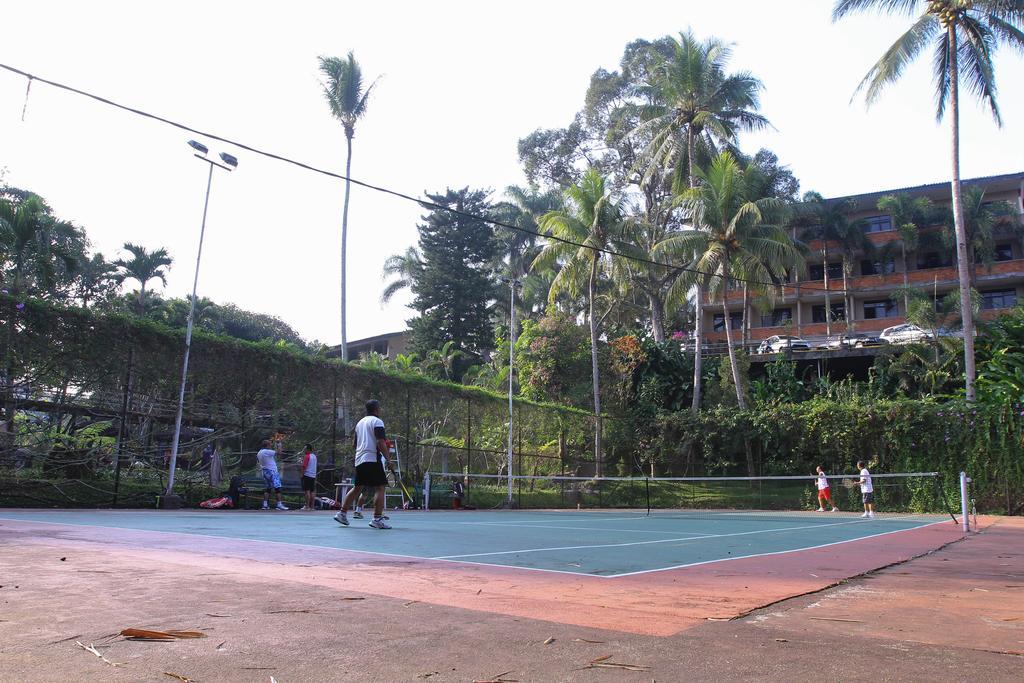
x: 229, y: 159
x: 198, y: 146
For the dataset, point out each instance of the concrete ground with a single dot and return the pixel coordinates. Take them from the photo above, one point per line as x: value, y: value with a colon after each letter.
x: 956, y: 614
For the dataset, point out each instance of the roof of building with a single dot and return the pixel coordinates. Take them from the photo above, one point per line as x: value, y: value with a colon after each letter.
x: 995, y: 183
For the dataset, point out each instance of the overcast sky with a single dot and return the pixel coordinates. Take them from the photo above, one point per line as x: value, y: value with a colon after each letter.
x: 461, y: 83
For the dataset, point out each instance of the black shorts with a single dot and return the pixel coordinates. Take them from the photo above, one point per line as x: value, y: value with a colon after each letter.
x: 371, y: 474
x: 308, y: 483
x: 868, y: 496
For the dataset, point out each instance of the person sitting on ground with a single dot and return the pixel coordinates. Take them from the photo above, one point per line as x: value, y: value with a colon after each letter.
x: 308, y: 476
x: 867, y: 490
x: 824, y: 492
x: 266, y: 457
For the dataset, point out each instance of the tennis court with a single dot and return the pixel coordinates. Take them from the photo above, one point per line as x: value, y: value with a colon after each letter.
x: 610, y: 544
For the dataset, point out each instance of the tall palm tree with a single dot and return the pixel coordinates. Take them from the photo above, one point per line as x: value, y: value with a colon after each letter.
x: 347, y: 98
x: 96, y: 279
x: 908, y: 215
x: 964, y: 33
x: 591, y: 217
x: 143, y: 266
x: 404, y: 269
x: 695, y: 106
x: 735, y: 234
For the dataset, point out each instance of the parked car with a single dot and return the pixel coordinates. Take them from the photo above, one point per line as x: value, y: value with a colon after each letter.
x: 853, y: 340
x: 780, y: 342
x: 906, y: 333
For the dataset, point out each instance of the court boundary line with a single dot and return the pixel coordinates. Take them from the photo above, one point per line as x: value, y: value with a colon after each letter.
x: 462, y: 562
x: 568, y: 528
x: 666, y: 540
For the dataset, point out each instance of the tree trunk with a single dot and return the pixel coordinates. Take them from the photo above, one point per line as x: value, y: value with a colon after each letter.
x: 596, y: 372
x: 728, y: 342
x: 846, y: 296
x: 657, y: 317
x: 745, y: 337
x: 963, y: 265
x: 698, y: 348
x: 344, y: 241
x: 828, y: 301
x: 906, y: 280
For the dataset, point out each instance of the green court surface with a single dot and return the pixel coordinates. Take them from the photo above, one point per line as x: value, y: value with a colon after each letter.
x: 596, y: 543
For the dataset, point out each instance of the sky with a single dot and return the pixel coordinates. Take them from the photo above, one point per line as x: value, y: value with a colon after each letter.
x: 460, y: 84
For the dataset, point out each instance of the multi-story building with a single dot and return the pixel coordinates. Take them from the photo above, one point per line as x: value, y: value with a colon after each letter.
x: 798, y: 307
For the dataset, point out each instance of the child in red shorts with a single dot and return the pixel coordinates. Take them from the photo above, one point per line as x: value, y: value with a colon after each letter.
x: 824, y: 492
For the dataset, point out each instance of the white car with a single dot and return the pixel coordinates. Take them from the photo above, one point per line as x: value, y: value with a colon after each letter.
x: 780, y: 342
x: 907, y: 333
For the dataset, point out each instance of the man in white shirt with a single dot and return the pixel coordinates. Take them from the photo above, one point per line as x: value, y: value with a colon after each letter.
x: 266, y: 457
x: 867, y: 490
x: 371, y: 449
x: 308, y: 475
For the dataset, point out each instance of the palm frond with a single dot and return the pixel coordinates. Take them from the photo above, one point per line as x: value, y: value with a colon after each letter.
x: 890, y: 67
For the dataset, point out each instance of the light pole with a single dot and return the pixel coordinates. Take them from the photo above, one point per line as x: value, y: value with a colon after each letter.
x: 230, y: 163
x: 512, y: 284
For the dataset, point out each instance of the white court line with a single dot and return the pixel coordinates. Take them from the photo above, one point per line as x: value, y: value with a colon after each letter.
x: 775, y: 552
x: 572, y: 528
x: 663, y: 540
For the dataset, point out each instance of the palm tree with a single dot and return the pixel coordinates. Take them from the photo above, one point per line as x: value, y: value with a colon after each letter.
x: 591, y: 217
x: 143, y: 266
x: 95, y: 279
x: 824, y: 222
x: 735, y: 234
x: 965, y: 33
x: 908, y: 215
x: 343, y: 89
x: 404, y: 269
x: 981, y: 220
x: 695, y: 104
x: 34, y: 246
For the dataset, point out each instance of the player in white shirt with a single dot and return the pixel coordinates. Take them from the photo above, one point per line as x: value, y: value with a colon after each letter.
x: 266, y: 457
x: 308, y: 475
x: 371, y: 453
x: 824, y: 491
x: 867, y: 490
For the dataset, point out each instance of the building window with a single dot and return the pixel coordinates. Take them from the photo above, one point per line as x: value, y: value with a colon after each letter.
x: 838, y: 313
x: 816, y: 271
x: 879, y: 309
x: 1003, y: 252
x: 869, y: 267
x: 777, y: 318
x: 1000, y: 298
x: 878, y: 224
x: 934, y: 259
x: 735, y: 322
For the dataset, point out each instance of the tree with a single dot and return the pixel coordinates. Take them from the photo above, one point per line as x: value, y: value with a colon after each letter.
x: 454, y: 287
x: 908, y: 215
x: 965, y: 34
x: 982, y: 219
x: 828, y: 223
x: 36, y: 249
x: 580, y: 233
x: 695, y: 106
x: 96, y: 279
x: 144, y: 266
x: 347, y: 99
x: 735, y: 234
x: 403, y: 269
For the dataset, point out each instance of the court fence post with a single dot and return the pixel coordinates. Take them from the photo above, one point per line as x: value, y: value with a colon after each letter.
x: 426, y: 491
x: 964, y: 480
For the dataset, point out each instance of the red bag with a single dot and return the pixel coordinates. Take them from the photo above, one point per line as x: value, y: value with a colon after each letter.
x: 215, y: 503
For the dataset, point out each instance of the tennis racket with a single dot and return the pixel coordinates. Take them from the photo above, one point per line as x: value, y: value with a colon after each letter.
x: 851, y: 483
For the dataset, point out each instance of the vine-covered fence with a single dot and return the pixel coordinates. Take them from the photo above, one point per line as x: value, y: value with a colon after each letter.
x: 89, y: 403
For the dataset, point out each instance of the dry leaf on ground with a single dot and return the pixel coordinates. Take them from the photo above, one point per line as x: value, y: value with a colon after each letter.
x: 159, y: 636
x: 96, y: 652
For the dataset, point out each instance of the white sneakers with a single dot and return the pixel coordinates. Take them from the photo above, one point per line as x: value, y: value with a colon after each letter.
x: 379, y: 523
x: 868, y: 515
x: 281, y: 506
x: 358, y: 514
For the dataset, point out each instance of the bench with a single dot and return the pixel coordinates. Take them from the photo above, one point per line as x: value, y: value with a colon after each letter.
x: 252, y: 485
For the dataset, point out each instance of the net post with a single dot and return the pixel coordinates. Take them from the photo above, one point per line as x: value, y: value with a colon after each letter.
x: 426, y: 491
x: 647, y: 491
x: 964, y: 512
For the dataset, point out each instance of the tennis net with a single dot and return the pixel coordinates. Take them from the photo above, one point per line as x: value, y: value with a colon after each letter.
x: 913, y: 493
